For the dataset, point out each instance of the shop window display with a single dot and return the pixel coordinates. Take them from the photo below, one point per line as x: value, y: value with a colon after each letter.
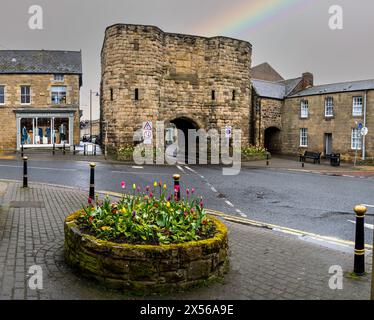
x: 44, y: 131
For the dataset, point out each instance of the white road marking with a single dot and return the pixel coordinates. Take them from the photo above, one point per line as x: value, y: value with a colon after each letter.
x: 229, y: 203
x: 188, y: 168
x: 181, y: 169
x: 38, y: 168
x: 137, y: 167
x: 213, y: 189
x: 140, y: 173
x: 368, y: 205
x: 202, y: 177
x: 367, y: 225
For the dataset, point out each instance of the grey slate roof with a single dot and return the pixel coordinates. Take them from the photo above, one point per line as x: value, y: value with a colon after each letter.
x: 40, y: 61
x: 337, y: 87
x: 290, y: 85
x: 267, y: 89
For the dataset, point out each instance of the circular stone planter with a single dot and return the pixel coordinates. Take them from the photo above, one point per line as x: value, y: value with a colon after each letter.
x: 145, y: 269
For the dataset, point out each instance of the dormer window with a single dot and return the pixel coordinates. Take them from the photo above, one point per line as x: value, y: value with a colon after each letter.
x: 58, y: 77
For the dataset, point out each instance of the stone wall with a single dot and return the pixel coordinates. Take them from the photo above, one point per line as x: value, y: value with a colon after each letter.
x: 175, y: 75
x: 147, y: 269
x: 268, y: 114
x: 340, y: 125
x: 40, y: 98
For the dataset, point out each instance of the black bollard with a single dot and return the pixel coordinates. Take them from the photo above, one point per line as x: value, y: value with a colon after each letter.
x: 359, y: 260
x: 267, y: 158
x: 84, y: 152
x: 177, y: 187
x: 63, y: 148
x: 54, y: 148
x: 302, y: 163
x: 22, y: 153
x: 92, y: 181
x: 74, y: 150
x: 25, y: 182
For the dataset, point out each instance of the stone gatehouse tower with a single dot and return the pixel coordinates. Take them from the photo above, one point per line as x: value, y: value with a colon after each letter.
x: 190, y: 81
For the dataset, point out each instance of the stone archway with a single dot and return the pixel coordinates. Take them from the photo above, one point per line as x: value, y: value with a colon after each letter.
x: 184, y: 124
x: 272, y: 139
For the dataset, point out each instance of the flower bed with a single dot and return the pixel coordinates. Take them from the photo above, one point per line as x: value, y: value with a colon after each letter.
x: 147, y: 244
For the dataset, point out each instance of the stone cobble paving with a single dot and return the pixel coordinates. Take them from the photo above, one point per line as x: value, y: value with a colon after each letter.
x: 264, y: 264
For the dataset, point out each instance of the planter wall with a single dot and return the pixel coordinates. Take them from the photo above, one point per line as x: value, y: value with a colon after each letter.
x: 147, y: 269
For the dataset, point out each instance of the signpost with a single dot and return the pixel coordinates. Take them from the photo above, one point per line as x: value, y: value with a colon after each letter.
x: 147, y: 132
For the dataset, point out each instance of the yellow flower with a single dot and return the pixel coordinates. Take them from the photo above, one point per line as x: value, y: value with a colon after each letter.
x: 168, y: 204
x: 105, y: 228
x: 123, y: 210
x: 155, y: 184
x: 134, y: 186
x: 165, y: 187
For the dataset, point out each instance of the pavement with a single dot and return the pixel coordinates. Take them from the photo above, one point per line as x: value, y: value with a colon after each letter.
x: 265, y: 264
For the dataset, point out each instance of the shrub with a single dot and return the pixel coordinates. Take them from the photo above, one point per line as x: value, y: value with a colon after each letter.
x: 143, y: 218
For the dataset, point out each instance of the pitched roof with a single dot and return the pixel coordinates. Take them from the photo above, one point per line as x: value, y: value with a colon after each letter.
x: 337, y: 87
x: 268, y: 89
x: 290, y: 85
x: 40, y: 61
x: 265, y: 71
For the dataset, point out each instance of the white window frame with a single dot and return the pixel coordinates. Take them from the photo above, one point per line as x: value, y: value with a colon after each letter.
x: 356, y: 139
x: 329, y: 107
x: 3, y: 95
x: 357, y: 107
x: 25, y: 95
x: 58, y: 77
x: 303, y: 137
x: 304, y: 109
x: 58, y: 94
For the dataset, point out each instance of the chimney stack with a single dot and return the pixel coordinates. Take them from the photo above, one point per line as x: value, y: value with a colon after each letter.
x: 307, y: 80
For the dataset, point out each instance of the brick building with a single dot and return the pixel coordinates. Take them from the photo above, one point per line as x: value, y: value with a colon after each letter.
x: 290, y: 116
x: 39, y: 98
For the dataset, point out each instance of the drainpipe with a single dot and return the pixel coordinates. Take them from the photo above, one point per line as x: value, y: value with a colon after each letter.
x: 363, y: 137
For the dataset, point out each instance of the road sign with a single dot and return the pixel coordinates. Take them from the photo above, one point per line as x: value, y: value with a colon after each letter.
x: 147, y: 132
x: 228, y: 130
x: 360, y: 126
x: 364, y: 131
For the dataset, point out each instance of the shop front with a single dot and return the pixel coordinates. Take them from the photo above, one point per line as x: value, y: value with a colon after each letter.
x: 45, y: 128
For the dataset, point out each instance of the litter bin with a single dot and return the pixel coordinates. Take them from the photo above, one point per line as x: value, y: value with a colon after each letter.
x: 335, y: 159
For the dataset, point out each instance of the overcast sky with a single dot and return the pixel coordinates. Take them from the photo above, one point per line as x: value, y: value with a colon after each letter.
x: 292, y: 35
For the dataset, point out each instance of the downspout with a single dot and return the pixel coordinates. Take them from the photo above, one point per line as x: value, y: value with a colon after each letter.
x: 363, y: 137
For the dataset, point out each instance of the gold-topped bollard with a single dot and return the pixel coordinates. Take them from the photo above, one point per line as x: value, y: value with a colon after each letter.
x: 92, y: 180
x: 25, y: 178
x: 177, y: 188
x: 359, y: 260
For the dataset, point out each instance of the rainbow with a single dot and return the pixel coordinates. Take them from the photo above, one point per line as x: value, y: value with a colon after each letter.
x: 248, y: 15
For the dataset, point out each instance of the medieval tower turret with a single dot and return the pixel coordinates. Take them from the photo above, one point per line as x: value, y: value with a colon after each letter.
x: 148, y: 74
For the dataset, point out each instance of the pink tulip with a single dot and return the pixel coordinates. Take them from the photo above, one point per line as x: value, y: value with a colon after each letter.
x: 123, y: 184
x: 193, y: 190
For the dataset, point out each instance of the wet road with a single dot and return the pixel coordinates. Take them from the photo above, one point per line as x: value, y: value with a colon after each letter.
x: 309, y: 202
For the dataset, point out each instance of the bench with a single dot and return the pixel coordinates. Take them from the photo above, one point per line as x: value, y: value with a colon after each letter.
x: 316, y: 156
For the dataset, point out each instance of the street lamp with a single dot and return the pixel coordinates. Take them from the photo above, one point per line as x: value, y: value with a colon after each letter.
x: 97, y: 95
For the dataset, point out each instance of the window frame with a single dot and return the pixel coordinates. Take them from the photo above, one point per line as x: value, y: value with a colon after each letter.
x: 355, y: 106
x: 2, y: 95
x: 304, y: 105
x: 58, y: 75
x: 356, y: 138
x: 58, y: 95
x: 26, y: 95
x: 329, y: 106
x: 303, y: 135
